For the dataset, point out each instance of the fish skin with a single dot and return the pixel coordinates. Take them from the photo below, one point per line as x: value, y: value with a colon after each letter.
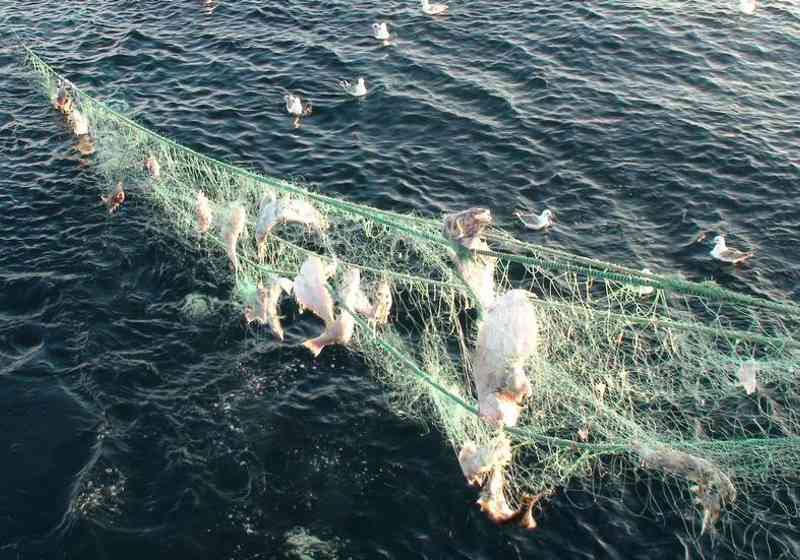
x: 311, y: 291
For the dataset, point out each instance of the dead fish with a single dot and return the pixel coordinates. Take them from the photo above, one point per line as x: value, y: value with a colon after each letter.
x: 266, y: 304
x: 493, y: 498
x: 63, y: 102
x: 378, y: 314
x: 747, y: 377
x: 311, y: 289
x: 478, y: 273
x: 507, y: 338
x: 467, y: 225
x: 494, y: 503
x: 341, y: 331
x: 80, y: 124
x: 712, y: 487
x: 274, y: 211
x: 114, y: 201
x: 152, y: 167
x: 267, y: 218
x: 203, y: 213
x: 476, y: 462
x: 85, y: 145
x: 231, y: 232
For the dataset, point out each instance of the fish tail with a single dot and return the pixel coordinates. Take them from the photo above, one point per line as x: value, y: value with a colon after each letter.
x: 315, y: 345
x: 277, y: 329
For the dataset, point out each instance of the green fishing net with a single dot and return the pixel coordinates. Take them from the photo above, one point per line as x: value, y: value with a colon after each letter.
x: 685, y: 392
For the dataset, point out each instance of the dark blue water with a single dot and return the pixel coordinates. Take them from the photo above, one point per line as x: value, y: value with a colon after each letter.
x: 129, y: 430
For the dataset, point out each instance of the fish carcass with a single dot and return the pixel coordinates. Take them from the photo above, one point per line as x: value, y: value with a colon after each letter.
x: 274, y: 211
x: 506, y: 340
x: 311, y: 289
x: 231, y: 232
x: 341, y: 330
x: 266, y: 304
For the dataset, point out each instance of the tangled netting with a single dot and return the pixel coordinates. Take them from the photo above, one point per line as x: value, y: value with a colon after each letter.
x: 545, y: 371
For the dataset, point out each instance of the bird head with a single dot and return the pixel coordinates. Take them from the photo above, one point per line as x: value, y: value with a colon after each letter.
x: 719, y: 240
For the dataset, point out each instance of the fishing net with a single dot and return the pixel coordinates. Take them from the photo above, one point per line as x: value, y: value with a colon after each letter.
x: 548, y: 373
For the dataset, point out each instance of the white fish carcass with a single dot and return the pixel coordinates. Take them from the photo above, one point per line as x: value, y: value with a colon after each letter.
x: 203, y: 213
x: 311, y: 289
x: 378, y: 313
x: 80, y: 124
x: 507, y: 338
x: 478, y: 273
x: 266, y: 304
x: 274, y: 211
x: 712, y: 487
x: 152, y: 166
x: 476, y: 462
x: 231, y: 232
x: 747, y: 377
x: 466, y: 226
x: 341, y: 330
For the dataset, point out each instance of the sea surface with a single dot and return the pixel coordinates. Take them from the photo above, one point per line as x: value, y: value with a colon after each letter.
x: 141, y: 419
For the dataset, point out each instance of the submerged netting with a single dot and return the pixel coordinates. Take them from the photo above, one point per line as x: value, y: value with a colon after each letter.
x: 545, y: 371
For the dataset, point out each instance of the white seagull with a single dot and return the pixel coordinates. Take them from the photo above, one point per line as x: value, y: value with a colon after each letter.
x: 433, y: 9
x: 747, y: 7
x: 295, y: 107
x: 536, y: 221
x: 723, y: 253
x: 358, y: 89
x: 381, y: 31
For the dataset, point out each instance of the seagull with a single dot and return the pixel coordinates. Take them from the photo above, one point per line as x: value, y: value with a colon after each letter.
x: 747, y: 7
x: 381, y: 31
x: 546, y: 219
x: 433, y: 9
x: 721, y: 252
x: 295, y: 107
x: 358, y: 89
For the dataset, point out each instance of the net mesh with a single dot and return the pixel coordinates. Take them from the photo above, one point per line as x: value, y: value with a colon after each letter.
x: 681, y: 391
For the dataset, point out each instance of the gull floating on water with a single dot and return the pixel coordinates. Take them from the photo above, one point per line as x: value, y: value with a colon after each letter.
x: 747, y: 7
x: 723, y: 253
x: 381, y: 31
x: 295, y: 107
x: 536, y: 221
x: 433, y: 9
x: 358, y: 89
